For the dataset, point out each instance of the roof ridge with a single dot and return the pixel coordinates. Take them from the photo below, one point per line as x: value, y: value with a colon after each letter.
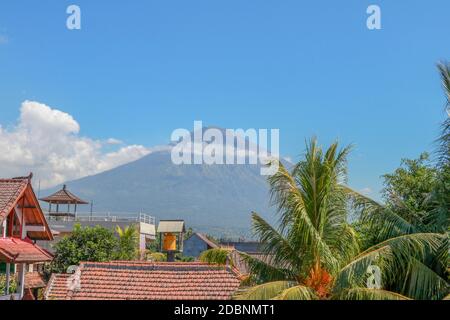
x: 49, y: 286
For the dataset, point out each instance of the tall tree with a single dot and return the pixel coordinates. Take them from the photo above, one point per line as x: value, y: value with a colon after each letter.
x: 84, y: 244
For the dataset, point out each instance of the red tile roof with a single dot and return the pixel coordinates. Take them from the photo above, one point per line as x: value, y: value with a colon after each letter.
x: 10, y: 192
x: 64, y: 196
x: 145, y: 281
x: 57, y: 287
x: 34, y: 280
x: 14, y: 250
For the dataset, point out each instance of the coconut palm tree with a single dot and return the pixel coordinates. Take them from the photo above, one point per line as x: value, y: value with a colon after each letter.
x: 314, y: 252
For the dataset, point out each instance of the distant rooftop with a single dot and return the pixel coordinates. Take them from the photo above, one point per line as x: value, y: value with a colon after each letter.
x: 64, y: 196
x: 176, y: 226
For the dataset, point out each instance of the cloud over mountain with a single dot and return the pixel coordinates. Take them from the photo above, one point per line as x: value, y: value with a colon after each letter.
x: 47, y: 141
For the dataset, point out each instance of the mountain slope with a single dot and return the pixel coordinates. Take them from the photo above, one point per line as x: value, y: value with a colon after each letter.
x: 217, y: 199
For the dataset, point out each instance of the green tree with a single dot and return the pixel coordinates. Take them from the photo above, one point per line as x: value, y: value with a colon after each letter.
x: 95, y: 244
x: 314, y: 253
x: 406, y: 191
x: 215, y: 256
x: 128, y: 243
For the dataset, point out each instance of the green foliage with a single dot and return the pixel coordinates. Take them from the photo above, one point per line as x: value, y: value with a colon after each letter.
x: 128, y: 243
x: 365, y: 234
x: 181, y: 258
x: 188, y: 233
x: 12, y: 284
x: 85, y: 244
x: 215, y: 256
x: 153, y: 246
x: 406, y: 190
x: 315, y: 254
x: 156, y: 256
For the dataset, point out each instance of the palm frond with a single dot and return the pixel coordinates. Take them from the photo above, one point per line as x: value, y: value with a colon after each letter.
x: 382, y: 220
x: 368, y: 294
x: 264, y: 291
x: 266, y: 270
x: 297, y: 293
x: 294, y: 217
x: 216, y: 256
x: 274, y: 244
x: 423, y: 283
x: 391, y: 257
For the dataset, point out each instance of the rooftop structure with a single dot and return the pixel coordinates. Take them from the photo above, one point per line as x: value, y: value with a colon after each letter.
x: 22, y: 222
x: 144, y: 281
x: 171, y: 237
x: 63, y: 226
x: 63, y: 197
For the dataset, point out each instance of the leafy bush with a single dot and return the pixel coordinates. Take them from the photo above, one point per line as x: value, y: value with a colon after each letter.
x: 96, y: 244
x: 215, y: 256
x: 156, y: 256
x: 12, y: 284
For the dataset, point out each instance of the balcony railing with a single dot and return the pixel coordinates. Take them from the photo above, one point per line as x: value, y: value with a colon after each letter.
x: 103, y: 217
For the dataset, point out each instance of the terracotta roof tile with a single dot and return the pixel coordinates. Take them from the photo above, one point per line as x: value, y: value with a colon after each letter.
x: 10, y: 191
x: 22, y: 251
x: 147, y: 281
x: 64, y: 196
x: 34, y: 280
x: 57, y: 287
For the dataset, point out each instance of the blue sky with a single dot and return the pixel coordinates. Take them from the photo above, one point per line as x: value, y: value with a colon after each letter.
x: 137, y: 70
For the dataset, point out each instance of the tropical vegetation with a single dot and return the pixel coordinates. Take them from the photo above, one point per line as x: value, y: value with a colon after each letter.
x: 96, y: 244
x: 315, y: 253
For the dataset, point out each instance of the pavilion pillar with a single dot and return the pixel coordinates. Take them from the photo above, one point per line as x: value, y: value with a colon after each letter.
x: 21, y: 280
x: 8, y: 278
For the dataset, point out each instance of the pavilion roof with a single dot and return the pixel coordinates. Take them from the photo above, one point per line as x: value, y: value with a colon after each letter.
x: 14, y: 250
x: 64, y: 196
x: 10, y: 192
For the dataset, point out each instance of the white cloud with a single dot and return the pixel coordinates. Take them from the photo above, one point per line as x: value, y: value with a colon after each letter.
x: 114, y: 141
x: 47, y: 142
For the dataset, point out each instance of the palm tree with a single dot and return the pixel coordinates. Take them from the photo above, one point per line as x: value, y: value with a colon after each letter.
x: 444, y: 140
x: 440, y: 197
x: 128, y: 243
x: 314, y: 252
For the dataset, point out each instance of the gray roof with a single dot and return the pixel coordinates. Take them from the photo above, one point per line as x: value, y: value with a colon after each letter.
x: 171, y: 226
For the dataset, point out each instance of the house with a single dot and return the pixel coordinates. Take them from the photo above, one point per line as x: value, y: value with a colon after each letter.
x: 137, y: 280
x: 22, y: 223
x: 196, y: 244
